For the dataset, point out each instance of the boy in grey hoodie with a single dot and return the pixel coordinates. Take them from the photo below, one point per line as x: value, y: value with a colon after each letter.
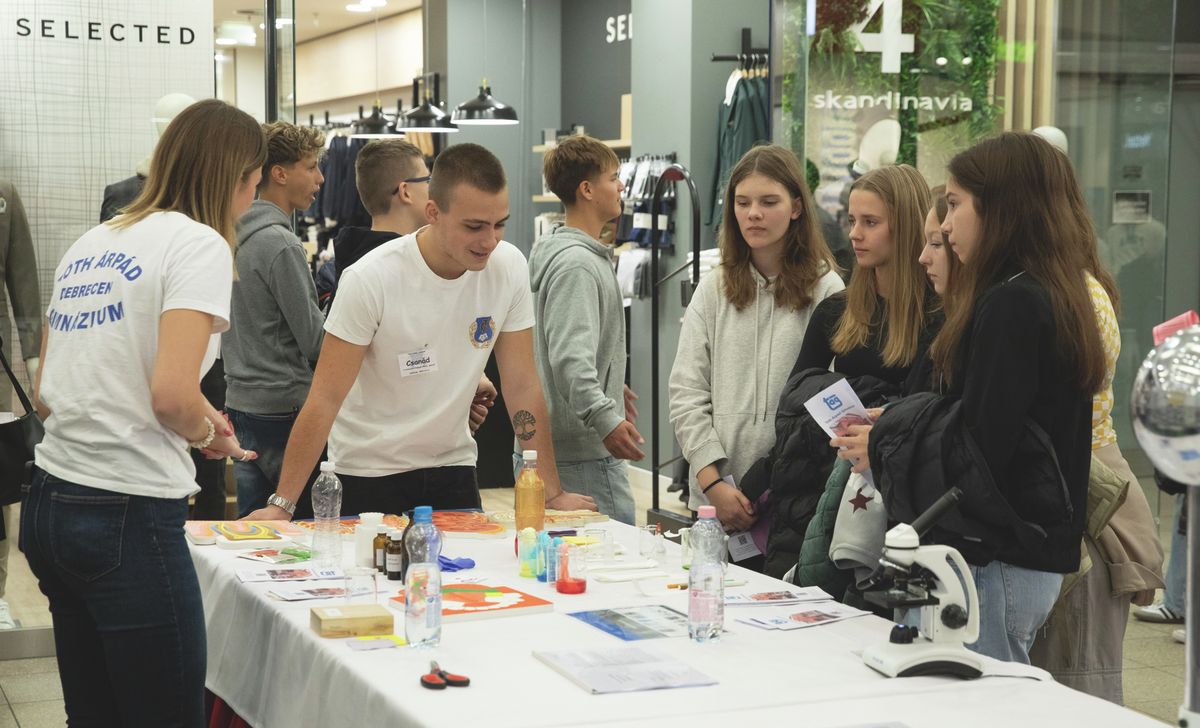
x: 275, y: 326
x: 579, y: 337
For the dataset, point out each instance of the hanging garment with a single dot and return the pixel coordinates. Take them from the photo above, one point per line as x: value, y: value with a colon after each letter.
x: 739, y: 126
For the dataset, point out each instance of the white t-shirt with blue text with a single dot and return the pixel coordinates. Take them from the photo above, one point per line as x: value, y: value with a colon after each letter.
x: 110, y: 289
x: 428, y: 340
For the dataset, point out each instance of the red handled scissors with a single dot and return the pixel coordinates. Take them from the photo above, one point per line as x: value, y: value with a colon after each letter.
x: 438, y: 679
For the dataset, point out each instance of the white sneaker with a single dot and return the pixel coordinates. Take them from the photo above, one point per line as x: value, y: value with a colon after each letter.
x: 1179, y: 635
x: 1157, y: 613
x: 6, y: 620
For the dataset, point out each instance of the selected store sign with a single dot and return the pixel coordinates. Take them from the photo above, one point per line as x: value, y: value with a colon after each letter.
x: 93, y: 30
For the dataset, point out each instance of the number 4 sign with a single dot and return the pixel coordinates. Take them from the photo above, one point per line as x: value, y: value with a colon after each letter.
x: 890, y: 42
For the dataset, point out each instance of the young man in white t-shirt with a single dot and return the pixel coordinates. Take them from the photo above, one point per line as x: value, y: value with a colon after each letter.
x: 405, y: 345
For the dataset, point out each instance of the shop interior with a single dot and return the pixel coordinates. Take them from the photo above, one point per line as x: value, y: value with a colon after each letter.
x: 1119, y: 78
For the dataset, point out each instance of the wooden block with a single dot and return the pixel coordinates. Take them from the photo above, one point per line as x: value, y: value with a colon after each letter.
x: 353, y: 620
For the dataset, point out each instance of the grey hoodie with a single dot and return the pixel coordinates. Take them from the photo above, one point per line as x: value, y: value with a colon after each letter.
x: 729, y: 372
x: 579, y: 340
x: 275, y: 325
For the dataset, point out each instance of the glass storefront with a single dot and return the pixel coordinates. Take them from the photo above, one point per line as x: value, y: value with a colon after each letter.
x: 868, y: 82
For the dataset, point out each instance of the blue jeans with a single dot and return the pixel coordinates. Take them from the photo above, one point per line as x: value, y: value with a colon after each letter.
x: 1175, y: 591
x: 266, y: 435
x: 128, y: 620
x: 1013, y: 604
x: 605, y: 480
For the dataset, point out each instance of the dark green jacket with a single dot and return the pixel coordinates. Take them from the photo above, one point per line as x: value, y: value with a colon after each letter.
x: 815, y: 568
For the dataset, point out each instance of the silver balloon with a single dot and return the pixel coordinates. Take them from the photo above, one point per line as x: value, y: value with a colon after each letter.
x: 1166, y: 406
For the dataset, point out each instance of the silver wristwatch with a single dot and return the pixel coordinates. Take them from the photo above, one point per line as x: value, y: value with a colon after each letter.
x: 277, y: 500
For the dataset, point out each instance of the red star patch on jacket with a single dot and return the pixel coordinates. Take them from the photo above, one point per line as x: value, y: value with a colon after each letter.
x: 860, y: 501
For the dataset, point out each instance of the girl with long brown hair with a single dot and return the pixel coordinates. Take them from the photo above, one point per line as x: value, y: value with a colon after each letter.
x: 137, y: 304
x: 1022, y: 355
x: 881, y: 325
x: 743, y: 327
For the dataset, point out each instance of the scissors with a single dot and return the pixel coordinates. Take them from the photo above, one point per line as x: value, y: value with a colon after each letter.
x: 438, y: 679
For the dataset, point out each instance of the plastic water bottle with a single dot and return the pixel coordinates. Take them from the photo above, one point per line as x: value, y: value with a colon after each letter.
x: 327, y: 508
x: 706, y: 578
x: 423, y: 582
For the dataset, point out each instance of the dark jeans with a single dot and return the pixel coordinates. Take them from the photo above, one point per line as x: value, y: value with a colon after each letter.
x: 209, y: 504
x: 445, y: 489
x: 128, y: 620
x: 268, y: 436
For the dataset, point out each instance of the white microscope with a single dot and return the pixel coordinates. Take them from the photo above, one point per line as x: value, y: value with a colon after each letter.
x: 936, y: 579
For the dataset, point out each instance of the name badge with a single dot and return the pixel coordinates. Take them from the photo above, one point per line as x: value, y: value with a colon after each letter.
x: 742, y: 546
x: 421, y: 361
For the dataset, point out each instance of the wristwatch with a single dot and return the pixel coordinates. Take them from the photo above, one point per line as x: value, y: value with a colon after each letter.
x: 279, y: 501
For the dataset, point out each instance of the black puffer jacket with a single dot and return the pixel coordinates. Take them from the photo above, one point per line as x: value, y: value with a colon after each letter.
x: 799, y: 463
x: 919, y: 448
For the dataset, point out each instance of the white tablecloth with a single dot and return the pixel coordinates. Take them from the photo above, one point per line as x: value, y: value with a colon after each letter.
x: 270, y: 667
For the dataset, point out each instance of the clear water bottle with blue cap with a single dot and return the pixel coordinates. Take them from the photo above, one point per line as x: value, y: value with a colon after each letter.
x: 423, y: 582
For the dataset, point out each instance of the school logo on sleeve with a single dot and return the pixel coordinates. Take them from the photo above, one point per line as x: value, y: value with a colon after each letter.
x: 483, y: 332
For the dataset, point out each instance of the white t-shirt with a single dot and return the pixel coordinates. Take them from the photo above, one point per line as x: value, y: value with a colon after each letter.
x: 110, y: 289
x: 428, y: 340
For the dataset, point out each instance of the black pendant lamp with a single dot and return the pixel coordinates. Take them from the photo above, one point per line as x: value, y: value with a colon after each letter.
x: 427, y: 116
x: 485, y: 109
x: 375, y: 126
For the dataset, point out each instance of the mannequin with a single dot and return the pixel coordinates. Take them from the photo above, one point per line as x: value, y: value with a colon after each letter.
x: 19, y: 276
x: 119, y: 194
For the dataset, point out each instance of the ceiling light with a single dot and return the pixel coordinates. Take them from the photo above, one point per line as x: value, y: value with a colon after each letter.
x: 484, y: 109
x: 374, y: 3
x: 359, y: 8
x: 232, y: 32
x: 220, y: 57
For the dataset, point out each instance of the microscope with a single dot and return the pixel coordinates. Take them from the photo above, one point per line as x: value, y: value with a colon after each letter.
x: 934, y: 579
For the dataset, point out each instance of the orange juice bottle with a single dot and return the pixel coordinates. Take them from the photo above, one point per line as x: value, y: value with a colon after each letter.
x: 530, y: 496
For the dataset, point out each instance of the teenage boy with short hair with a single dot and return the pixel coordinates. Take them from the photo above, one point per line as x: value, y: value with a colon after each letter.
x: 404, y: 349
x: 275, y: 325
x: 393, y: 183
x: 579, y: 339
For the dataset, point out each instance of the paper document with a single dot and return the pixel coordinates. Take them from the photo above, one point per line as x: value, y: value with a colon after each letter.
x: 836, y: 409
x: 288, y: 573
x: 800, y: 616
x: 637, y: 623
x: 623, y: 670
x: 300, y: 592
x: 782, y: 597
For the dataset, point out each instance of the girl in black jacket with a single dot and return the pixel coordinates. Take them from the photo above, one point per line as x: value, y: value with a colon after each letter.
x: 1021, y: 346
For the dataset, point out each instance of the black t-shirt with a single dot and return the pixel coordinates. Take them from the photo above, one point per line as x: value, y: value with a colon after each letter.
x: 817, y: 349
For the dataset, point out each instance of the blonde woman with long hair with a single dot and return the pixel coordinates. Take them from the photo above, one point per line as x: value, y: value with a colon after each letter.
x: 882, y: 324
x: 131, y: 329
x: 744, y: 325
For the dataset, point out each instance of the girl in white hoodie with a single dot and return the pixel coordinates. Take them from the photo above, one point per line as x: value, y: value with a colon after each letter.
x: 743, y: 329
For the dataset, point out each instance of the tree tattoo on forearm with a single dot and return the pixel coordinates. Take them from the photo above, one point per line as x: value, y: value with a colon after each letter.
x: 524, y: 425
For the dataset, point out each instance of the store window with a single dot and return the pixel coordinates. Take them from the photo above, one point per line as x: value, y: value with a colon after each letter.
x: 864, y: 83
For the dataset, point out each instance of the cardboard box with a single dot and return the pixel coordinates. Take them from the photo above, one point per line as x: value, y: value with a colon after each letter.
x: 353, y: 620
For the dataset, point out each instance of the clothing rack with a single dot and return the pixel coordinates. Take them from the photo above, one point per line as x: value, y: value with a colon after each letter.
x: 748, y: 53
x: 674, y: 173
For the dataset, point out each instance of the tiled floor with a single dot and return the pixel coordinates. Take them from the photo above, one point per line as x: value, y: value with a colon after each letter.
x: 31, y: 696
